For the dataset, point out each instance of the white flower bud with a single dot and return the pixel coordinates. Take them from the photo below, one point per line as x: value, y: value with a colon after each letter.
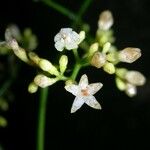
x: 66, y: 38
x: 47, y: 66
x: 98, y: 60
x: 43, y: 81
x: 109, y: 68
x: 105, y: 20
x: 131, y: 90
x: 129, y: 55
x: 135, y: 78
x: 63, y: 61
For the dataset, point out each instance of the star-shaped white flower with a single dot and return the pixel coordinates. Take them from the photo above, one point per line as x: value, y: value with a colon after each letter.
x: 66, y: 38
x: 84, y: 93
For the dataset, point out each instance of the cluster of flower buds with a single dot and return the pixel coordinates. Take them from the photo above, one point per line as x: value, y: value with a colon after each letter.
x: 128, y: 81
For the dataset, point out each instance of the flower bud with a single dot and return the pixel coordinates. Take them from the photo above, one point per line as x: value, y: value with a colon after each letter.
x: 93, y: 48
x: 105, y: 20
x: 98, y: 60
x: 47, y: 66
x: 63, y: 61
x: 106, y: 47
x: 131, y: 90
x: 82, y: 36
x: 121, y: 72
x: 34, y: 57
x: 32, y: 88
x: 129, y: 55
x: 43, y: 81
x: 135, y: 78
x: 121, y: 85
x: 109, y: 68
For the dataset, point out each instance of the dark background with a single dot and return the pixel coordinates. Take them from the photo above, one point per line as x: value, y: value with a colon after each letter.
x: 122, y: 124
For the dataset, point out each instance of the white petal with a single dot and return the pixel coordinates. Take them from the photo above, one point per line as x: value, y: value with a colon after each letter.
x: 71, y: 45
x: 78, y: 102
x: 94, y: 87
x: 57, y: 37
x: 59, y: 45
x: 72, y: 88
x: 75, y: 37
x: 83, y: 83
x: 92, y: 102
x: 66, y: 30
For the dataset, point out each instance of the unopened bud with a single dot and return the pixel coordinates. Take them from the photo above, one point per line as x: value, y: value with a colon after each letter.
x: 129, y: 54
x: 98, y: 60
x: 121, y: 85
x: 93, y: 48
x: 47, y: 66
x: 106, y: 47
x: 109, y: 68
x: 121, y: 72
x: 105, y: 20
x: 82, y: 36
x: 43, y: 81
x: 135, y: 78
x: 34, y: 57
x: 63, y: 61
x: 131, y: 90
x: 32, y: 88
x: 13, y: 44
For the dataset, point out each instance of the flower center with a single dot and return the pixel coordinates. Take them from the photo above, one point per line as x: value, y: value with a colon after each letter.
x: 85, y: 92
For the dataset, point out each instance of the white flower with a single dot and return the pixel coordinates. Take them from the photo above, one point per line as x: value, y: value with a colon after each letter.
x: 84, y: 93
x: 66, y: 38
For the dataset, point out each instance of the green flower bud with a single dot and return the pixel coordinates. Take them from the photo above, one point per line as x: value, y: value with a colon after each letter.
x: 106, y: 47
x: 82, y: 36
x: 109, y: 68
x: 121, y: 72
x: 93, y: 48
x: 32, y: 88
x: 121, y: 85
x: 63, y: 61
x: 47, y: 66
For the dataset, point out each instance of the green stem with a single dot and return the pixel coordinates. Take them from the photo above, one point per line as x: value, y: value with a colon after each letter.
x: 41, y: 119
x: 76, y: 69
x: 61, y: 9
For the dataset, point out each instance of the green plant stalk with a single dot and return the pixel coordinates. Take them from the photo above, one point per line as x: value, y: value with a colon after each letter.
x: 76, y: 70
x: 66, y: 12
x: 42, y: 119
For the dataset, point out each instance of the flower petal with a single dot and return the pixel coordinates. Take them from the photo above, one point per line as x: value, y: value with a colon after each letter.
x: 94, y: 87
x: 72, y: 88
x: 83, y: 83
x: 92, y: 102
x: 78, y: 102
x: 59, y: 45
